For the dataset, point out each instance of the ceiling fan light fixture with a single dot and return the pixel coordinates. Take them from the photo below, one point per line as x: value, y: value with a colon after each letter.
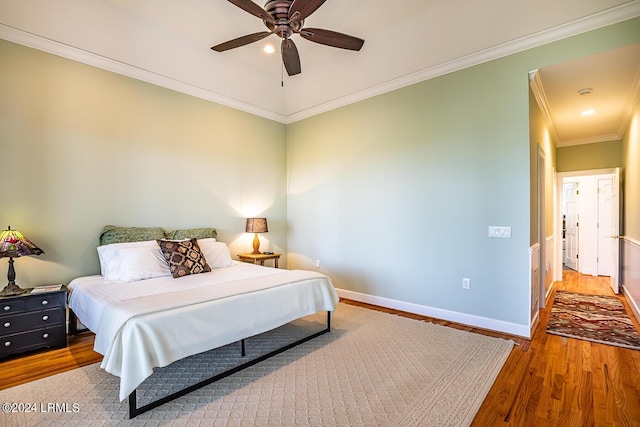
x: 285, y: 18
x: 588, y: 112
x: 269, y: 49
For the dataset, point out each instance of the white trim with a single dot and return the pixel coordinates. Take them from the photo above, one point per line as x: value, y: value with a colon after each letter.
x: 550, y: 248
x: 541, y: 97
x: 579, y: 26
x: 610, y: 16
x: 631, y: 240
x: 625, y: 288
x: 634, y: 307
x: 591, y: 139
x: 56, y: 48
x: 534, y: 265
x: 558, y: 220
x: 632, y: 102
x: 452, y: 316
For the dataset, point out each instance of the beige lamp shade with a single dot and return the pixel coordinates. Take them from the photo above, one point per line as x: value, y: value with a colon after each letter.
x: 256, y: 225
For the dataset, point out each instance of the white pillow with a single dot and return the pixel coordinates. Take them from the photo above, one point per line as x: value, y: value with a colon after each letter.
x: 110, y: 260
x: 138, y: 263
x: 216, y: 253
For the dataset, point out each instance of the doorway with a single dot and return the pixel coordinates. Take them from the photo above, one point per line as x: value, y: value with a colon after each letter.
x: 587, y: 222
x: 570, y: 224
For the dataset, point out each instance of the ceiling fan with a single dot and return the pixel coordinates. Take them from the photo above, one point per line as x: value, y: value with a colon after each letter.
x: 285, y: 18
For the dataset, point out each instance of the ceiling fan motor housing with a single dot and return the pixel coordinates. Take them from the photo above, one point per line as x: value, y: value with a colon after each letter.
x: 279, y: 9
x: 286, y: 18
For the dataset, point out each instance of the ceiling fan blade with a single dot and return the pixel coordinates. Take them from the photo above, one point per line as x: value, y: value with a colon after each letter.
x: 301, y: 9
x: 332, y: 38
x: 290, y: 57
x: 254, y: 9
x: 241, y: 41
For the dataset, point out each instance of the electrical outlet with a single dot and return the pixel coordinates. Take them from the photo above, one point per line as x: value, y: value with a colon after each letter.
x: 466, y: 283
x: 317, y: 263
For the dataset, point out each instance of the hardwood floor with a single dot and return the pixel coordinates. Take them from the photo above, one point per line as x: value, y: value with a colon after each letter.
x: 548, y: 381
x: 566, y: 382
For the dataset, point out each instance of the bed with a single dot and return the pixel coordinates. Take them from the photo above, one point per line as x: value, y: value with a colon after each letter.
x: 145, y: 314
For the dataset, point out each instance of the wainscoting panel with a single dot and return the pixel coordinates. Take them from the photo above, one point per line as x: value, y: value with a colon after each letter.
x: 549, y: 255
x: 630, y: 277
x: 534, y: 282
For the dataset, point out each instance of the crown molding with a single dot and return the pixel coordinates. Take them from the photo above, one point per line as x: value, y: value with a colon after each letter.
x: 66, y: 51
x: 633, y: 102
x: 602, y: 19
x: 589, y: 140
x: 541, y: 98
x: 610, y: 16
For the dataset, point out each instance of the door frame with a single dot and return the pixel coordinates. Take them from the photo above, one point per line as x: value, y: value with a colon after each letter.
x: 617, y: 221
x: 557, y: 232
x: 542, y: 229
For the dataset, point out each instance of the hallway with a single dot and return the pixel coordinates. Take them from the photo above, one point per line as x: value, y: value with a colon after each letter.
x: 557, y: 381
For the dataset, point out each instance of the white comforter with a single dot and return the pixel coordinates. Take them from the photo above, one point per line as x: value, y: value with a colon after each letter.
x: 154, y: 322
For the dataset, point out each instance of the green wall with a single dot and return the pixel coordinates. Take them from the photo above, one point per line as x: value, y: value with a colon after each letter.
x: 631, y: 185
x: 630, y: 254
x: 540, y: 140
x: 82, y: 148
x: 601, y: 155
x: 394, y: 194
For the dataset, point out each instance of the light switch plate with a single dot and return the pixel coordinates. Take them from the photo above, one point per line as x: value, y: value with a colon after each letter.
x: 499, y: 232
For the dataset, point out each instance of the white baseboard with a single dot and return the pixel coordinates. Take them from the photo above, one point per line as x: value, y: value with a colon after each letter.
x: 452, y: 316
x: 629, y: 278
x: 632, y: 303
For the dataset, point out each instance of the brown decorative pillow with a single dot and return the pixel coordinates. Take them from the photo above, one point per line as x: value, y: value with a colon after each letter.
x: 184, y: 257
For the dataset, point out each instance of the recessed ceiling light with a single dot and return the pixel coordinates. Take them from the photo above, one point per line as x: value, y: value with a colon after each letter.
x: 269, y: 49
x: 588, y: 112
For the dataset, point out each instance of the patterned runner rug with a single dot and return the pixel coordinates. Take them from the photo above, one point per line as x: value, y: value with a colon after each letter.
x: 596, y: 318
x: 372, y: 369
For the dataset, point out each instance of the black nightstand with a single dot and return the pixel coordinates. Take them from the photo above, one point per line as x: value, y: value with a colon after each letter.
x: 32, y: 321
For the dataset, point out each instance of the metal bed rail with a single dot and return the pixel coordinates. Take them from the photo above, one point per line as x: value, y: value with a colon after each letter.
x: 135, y: 410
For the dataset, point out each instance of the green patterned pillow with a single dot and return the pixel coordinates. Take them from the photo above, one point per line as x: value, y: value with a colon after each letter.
x: 184, y: 257
x: 114, y: 234
x: 191, y: 233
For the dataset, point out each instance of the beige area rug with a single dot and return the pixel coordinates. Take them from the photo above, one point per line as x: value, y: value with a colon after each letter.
x: 372, y: 369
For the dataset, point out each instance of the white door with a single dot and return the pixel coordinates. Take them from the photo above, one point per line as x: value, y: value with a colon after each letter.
x: 570, y: 191
x: 614, y: 280
x: 604, y: 224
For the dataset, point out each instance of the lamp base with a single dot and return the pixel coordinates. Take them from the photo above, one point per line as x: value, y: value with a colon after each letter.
x: 256, y: 245
x: 12, y: 289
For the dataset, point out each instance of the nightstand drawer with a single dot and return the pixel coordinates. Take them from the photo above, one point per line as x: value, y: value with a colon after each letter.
x: 10, y: 307
x: 33, y: 320
x: 30, y: 321
x: 48, y: 337
x: 45, y: 300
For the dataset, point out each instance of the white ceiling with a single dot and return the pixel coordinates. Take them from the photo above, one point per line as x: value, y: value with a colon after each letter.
x: 614, y: 80
x: 167, y: 42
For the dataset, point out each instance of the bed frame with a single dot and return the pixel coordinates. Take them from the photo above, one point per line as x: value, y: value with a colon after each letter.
x: 135, y: 410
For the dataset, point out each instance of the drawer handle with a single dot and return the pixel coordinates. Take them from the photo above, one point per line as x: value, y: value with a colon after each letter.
x: 45, y: 317
x: 45, y: 302
x: 7, y: 344
x: 45, y: 336
x: 7, y: 307
x: 6, y: 325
